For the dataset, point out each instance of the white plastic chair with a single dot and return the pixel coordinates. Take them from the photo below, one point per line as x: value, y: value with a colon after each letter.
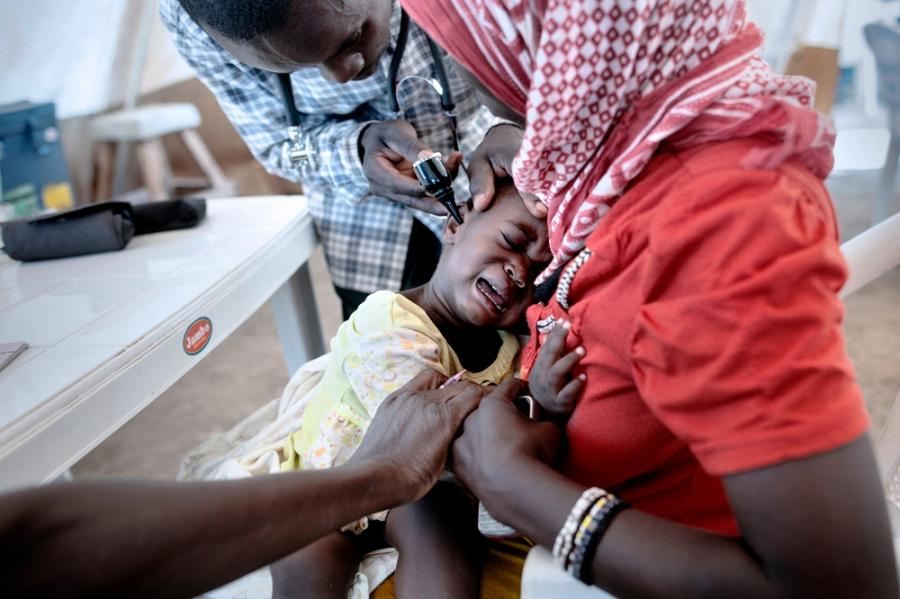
x: 145, y: 127
x: 869, y: 255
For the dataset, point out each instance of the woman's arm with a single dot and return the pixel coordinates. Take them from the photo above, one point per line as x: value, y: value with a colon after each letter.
x: 179, y: 539
x: 812, y: 527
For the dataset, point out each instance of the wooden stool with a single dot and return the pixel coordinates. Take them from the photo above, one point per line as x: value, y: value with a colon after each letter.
x: 145, y: 127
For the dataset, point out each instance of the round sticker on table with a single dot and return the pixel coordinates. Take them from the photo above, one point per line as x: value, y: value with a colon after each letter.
x: 197, y: 336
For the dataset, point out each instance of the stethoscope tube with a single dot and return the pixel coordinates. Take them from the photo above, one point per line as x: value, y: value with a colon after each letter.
x: 399, y: 49
x: 287, y: 97
x: 446, y: 94
x: 441, y: 85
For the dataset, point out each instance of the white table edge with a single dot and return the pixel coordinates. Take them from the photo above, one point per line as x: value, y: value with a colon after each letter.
x: 56, y: 420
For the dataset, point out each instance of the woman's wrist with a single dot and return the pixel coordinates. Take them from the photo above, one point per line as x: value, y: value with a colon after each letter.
x: 531, y: 497
x: 509, y: 132
x: 504, y: 123
x: 504, y: 490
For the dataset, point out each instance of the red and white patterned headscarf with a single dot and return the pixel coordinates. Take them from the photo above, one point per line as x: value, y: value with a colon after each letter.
x: 603, y: 82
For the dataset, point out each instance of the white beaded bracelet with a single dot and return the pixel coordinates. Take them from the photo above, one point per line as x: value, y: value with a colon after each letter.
x: 584, y: 535
x: 562, y: 546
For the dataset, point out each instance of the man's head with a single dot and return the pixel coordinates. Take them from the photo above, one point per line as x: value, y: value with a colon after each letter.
x: 345, y: 39
x: 489, y: 263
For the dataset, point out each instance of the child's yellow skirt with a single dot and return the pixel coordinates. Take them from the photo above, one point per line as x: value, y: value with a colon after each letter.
x: 501, y: 575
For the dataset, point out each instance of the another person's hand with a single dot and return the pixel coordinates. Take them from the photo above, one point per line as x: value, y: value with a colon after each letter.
x: 550, y: 380
x: 498, y: 440
x: 492, y: 160
x: 388, y: 150
x: 411, y: 432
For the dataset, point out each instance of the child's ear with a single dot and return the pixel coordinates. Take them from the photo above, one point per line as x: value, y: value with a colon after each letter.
x: 451, y: 227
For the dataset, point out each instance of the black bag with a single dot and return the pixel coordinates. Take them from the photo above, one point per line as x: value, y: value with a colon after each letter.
x: 155, y: 217
x: 88, y: 230
x: 96, y: 228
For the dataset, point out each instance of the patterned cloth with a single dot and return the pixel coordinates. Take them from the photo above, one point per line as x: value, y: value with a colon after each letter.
x: 603, y: 82
x: 365, y: 237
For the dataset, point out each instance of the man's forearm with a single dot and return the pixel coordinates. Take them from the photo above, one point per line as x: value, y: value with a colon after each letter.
x: 167, y: 538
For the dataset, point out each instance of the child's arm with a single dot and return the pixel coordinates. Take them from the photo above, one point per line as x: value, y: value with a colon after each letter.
x: 377, y: 364
x: 382, y: 362
x: 550, y: 381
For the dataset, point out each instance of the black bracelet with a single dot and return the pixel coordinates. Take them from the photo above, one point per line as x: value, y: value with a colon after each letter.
x: 585, y: 575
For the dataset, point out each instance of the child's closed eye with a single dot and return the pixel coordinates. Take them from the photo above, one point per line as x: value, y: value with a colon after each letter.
x: 513, y: 242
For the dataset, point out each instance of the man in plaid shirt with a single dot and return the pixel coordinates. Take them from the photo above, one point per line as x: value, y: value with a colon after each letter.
x: 377, y: 228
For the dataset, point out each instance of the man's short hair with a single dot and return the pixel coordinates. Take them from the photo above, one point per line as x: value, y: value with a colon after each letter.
x: 238, y: 20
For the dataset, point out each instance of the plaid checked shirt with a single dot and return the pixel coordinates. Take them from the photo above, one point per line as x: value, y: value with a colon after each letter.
x: 365, y: 237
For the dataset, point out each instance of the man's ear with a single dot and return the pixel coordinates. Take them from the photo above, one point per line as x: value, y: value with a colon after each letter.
x: 451, y: 227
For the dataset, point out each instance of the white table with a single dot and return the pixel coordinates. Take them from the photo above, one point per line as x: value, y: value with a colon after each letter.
x: 106, y: 332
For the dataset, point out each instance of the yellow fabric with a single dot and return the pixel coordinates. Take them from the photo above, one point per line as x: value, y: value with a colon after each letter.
x: 501, y: 573
x: 384, y: 344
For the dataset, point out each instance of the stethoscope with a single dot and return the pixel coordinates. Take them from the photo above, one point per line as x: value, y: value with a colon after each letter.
x: 300, y: 149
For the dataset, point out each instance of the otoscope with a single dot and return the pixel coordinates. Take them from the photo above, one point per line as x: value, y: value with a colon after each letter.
x: 434, y: 178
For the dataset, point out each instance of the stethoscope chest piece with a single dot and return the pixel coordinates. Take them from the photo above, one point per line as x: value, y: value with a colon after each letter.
x: 299, y: 149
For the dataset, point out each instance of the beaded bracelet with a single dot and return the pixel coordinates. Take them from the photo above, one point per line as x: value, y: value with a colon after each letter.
x: 585, y: 575
x: 586, y: 528
x: 590, y: 531
x: 564, y: 539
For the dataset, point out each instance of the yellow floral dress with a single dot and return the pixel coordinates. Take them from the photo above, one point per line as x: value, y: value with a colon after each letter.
x: 384, y: 344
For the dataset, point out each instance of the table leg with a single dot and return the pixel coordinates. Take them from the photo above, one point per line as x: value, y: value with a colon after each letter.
x: 297, y: 320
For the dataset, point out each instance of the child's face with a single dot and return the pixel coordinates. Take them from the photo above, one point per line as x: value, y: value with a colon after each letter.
x: 491, y: 261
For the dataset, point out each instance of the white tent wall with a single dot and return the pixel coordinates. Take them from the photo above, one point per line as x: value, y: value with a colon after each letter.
x: 829, y: 24
x: 79, y: 54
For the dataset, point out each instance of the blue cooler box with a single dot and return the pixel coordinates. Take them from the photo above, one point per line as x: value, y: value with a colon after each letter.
x: 33, y: 172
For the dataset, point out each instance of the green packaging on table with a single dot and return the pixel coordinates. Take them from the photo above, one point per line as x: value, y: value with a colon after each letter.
x: 23, y: 199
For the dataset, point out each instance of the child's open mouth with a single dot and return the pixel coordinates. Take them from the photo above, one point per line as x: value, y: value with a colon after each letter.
x: 489, y: 291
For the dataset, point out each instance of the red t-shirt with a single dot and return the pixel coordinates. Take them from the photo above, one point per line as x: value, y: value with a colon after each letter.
x: 708, y: 307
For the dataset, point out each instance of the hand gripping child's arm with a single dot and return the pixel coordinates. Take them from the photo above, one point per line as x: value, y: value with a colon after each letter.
x: 383, y: 362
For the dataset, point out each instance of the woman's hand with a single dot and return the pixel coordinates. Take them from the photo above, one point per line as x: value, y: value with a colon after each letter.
x: 550, y: 381
x: 411, y: 432
x: 497, y: 441
x: 493, y: 160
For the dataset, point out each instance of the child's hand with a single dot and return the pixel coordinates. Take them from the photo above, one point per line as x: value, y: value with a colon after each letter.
x: 550, y: 381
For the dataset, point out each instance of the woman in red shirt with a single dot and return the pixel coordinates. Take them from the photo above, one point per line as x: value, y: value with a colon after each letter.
x: 696, y: 260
